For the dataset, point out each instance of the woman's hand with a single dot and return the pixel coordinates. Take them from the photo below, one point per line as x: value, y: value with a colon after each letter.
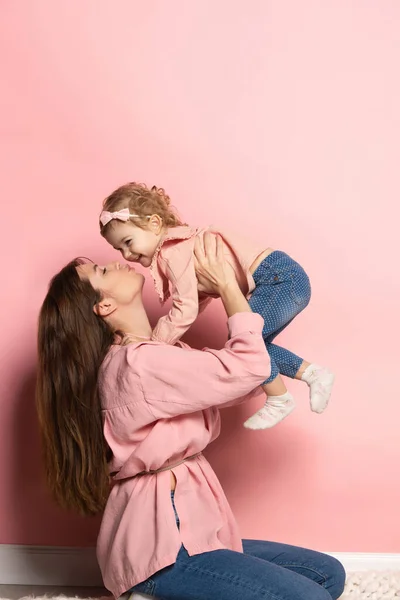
x: 213, y: 271
x: 215, y: 274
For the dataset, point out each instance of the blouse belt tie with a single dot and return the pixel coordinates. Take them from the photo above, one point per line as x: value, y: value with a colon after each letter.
x: 168, y: 467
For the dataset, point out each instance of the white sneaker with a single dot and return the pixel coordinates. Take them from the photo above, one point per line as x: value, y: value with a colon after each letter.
x: 320, y: 382
x: 273, y: 412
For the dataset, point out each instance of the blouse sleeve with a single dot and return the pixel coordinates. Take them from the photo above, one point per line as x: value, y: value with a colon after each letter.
x: 176, y: 380
x: 178, y: 267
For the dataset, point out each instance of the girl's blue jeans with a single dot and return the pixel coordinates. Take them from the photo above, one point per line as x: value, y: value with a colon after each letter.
x: 282, y: 291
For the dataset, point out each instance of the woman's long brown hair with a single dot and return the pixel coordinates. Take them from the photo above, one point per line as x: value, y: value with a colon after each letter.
x: 72, y: 343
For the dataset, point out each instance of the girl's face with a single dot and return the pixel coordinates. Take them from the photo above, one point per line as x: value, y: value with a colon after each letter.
x: 134, y: 243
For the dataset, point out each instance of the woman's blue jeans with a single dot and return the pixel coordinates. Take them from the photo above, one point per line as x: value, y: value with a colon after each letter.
x: 265, y: 571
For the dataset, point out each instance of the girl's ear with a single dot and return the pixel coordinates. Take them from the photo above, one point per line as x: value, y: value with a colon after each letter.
x: 155, y: 224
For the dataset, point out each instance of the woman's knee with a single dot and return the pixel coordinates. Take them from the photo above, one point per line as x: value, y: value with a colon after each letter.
x: 336, y: 577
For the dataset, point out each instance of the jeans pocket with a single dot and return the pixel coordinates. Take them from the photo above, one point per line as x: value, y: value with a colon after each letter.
x: 300, y: 288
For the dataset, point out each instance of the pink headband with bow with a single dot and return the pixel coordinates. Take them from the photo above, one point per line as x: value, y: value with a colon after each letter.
x: 121, y: 215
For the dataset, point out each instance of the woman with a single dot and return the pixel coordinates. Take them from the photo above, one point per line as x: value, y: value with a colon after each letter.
x: 110, y: 401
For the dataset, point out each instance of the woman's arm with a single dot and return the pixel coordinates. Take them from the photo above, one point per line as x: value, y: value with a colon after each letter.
x: 177, y: 381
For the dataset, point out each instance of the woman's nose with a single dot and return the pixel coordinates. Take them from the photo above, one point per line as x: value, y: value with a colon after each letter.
x: 114, y: 265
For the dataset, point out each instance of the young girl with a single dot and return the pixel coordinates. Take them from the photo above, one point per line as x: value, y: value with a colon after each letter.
x: 140, y: 223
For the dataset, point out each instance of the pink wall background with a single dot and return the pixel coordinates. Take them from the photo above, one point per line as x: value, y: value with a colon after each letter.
x: 278, y: 116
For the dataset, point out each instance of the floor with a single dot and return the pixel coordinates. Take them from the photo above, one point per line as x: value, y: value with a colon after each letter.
x: 15, y: 592
x: 360, y: 585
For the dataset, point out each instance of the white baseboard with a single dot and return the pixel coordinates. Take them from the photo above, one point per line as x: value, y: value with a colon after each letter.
x: 48, y: 565
x: 63, y: 566
x: 368, y: 561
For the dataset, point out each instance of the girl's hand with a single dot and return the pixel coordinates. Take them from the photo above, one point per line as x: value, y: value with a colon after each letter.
x: 213, y: 271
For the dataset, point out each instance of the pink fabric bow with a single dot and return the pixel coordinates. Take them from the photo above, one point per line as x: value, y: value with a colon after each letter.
x: 121, y: 215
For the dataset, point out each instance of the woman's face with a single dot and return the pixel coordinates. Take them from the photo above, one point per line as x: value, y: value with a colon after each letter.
x: 119, y: 282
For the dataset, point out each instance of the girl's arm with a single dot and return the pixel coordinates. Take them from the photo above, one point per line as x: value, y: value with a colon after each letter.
x: 178, y: 266
x: 185, y: 270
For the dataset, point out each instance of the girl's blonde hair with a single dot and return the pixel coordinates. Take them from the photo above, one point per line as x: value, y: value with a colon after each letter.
x: 141, y: 201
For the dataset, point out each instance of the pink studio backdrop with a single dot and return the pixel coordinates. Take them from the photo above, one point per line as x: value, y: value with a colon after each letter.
x: 278, y: 117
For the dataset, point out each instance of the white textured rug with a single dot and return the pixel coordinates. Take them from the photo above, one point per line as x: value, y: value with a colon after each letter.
x: 362, y: 585
x: 372, y: 585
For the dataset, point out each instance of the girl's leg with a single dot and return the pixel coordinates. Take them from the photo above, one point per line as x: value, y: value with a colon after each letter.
x: 282, y: 292
x: 289, y: 364
x: 301, y: 370
x: 319, y: 379
x: 321, y: 568
x: 229, y: 575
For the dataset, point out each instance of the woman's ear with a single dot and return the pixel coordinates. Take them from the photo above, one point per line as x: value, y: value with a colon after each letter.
x: 105, y: 307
